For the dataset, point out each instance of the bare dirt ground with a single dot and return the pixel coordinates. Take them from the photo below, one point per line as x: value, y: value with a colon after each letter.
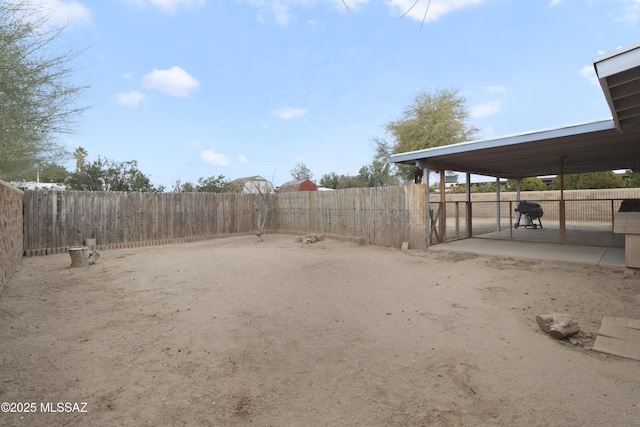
x: 233, y: 332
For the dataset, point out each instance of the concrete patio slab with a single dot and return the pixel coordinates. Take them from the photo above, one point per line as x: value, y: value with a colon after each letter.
x: 594, y: 255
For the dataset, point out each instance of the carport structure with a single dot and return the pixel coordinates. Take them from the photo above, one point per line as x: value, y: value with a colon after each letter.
x: 586, y: 147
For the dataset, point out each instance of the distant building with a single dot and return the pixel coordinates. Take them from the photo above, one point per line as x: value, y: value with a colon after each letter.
x: 30, y: 185
x: 301, y: 185
x: 253, y: 185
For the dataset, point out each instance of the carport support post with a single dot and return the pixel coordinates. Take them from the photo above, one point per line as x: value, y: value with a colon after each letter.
x: 443, y: 210
x: 498, y: 203
x: 468, y: 196
x: 518, y: 182
x: 563, y: 229
x: 425, y: 179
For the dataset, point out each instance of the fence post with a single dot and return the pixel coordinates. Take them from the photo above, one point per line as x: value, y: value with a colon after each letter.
x: 457, y: 221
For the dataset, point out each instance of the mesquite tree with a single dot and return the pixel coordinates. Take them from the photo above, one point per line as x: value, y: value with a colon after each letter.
x: 263, y: 200
x: 38, y: 100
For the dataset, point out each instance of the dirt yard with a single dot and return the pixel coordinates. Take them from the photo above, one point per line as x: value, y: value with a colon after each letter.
x: 233, y: 332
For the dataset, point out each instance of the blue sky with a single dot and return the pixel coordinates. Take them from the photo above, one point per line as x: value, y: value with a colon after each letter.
x: 195, y: 88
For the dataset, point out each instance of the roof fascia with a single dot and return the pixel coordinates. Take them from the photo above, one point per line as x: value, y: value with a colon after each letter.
x: 615, y: 62
x: 503, y: 141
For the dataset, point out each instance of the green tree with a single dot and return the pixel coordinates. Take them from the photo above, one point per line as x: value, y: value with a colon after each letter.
x: 330, y: 180
x: 187, y: 187
x: 432, y: 120
x: 340, y: 182
x: 527, y: 184
x: 593, y: 180
x: 52, y: 173
x: 47, y: 172
x: 38, y: 94
x: 213, y: 184
x: 109, y: 175
x: 80, y: 154
x: 632, y: 180
x: 301, y: 172
x: 483, y: 187
x: 217, y: 184
x: 381, y: 171
x: 570, y: 182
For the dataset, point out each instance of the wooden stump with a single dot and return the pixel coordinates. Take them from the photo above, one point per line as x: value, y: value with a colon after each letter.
x: 559, y: 326
x: 81, y: 257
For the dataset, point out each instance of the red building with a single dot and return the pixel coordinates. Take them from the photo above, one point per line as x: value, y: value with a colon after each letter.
x: 302, y: 185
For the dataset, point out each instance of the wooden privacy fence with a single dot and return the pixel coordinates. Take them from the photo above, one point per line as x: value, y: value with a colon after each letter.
x: 385, y: 216
x: 55, y: 220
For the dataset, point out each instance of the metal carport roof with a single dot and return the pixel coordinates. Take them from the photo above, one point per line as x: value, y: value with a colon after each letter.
x: 587, y: 147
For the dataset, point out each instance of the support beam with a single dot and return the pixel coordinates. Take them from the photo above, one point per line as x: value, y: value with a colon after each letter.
x: 425, y: 180
x: 563, y: 225
x: 498, y: 203
x: 468, y: 199
x: 443, y: 209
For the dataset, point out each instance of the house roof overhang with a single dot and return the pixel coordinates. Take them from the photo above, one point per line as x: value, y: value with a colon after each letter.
x: 586, y: 147
x: 619, y: 74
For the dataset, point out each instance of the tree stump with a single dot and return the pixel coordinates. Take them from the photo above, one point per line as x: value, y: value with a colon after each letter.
x: 559, y: 326
x: 82, y: 257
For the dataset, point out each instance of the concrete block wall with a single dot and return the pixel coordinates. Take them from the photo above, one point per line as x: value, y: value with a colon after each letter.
x: 11, y: 245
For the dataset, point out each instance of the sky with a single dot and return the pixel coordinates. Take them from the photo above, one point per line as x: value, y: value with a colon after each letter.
x: 198, y: 88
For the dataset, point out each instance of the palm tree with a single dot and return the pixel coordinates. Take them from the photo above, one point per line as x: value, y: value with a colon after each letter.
x: 80, y: 154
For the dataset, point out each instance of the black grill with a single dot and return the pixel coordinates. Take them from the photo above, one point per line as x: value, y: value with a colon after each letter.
x: 630, y: 205
x: 528, y: 212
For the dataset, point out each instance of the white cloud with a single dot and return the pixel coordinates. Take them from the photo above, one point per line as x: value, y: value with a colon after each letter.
x: 589, y: 73
x: 487, y: 131
x: 437, y: 8
x: 289, y: 113
x: 175, y: 81
x: 495, y: 89
x: 212, y: 158
x: 631, y: 11
x: 351, y: 4
x: 243, y: 159
x: 170, y: 6
x: 167, y: 6
x: 61, y: 12
x: 485, y: 110
x: 281, y: 12
x: 193, y: 144
x: 130, y: 99
x: 279, y: 9
x: 553, y: 3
